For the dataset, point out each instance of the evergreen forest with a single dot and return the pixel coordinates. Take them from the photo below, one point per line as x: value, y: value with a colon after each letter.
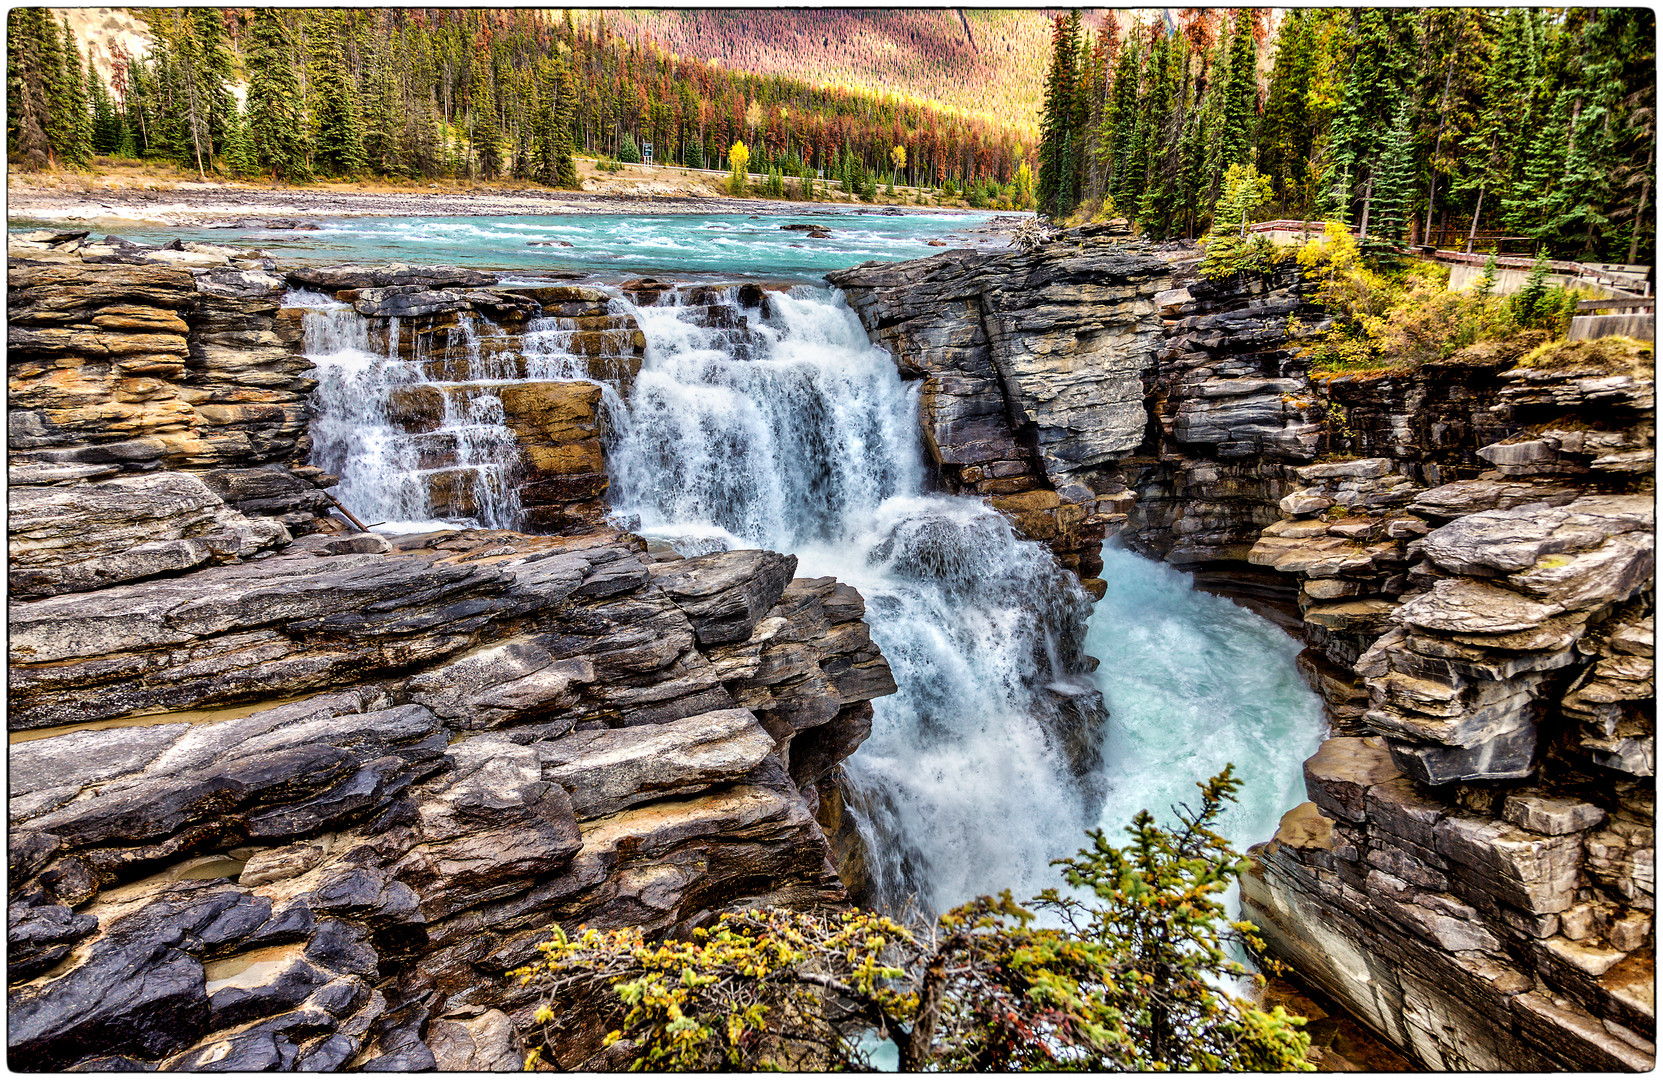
x: 1523, y: 129
x: 420, y: 93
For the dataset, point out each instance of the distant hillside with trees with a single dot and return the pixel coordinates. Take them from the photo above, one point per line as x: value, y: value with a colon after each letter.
x: 420, y: 93
x: 987, y: 64
x: 1533, y: 128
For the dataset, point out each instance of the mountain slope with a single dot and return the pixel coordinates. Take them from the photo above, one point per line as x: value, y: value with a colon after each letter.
x: 985, y: 64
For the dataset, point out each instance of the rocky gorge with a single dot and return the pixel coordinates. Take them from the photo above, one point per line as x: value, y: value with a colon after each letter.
x: 1467, y: 551
x: 286, y: 794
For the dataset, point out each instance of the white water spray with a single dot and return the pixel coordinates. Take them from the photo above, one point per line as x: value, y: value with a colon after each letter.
x: 782, y: 427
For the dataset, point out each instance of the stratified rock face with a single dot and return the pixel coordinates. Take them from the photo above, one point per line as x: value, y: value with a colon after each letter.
x: 116, y: 367
x: 76, y: 537
x: 1503, y: 932
x: 413, y: 760
x: 1473, y: 877
x: 396, y: 275
x: 1232, y: 414
x: 1033, y: 365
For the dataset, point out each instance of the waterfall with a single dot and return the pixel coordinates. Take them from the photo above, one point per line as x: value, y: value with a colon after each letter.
x: 773, y: 422
x: 780, y: 426
x: 415, y: 429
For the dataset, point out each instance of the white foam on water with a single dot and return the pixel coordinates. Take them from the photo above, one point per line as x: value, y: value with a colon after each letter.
x: 1195, y: 682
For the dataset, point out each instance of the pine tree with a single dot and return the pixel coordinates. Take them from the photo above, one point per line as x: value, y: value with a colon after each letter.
x: 380, y: 108
x: 1370, y: 100
x: 338, y: 134
x: 1394, y: 179
x: 548, y: 91
x: 276, y: 132
x: 55, y: 117
x: 182, y: 74
x: 107, y: 128
x: 1239, y: 91
x: 217, y: 72
x: 1229, y: 250
x: 28, y: 85
x: 1118, y: 133
x: 77, y: 122
x: 1487, y: 280
x: 1079, y: 121
x: 1532, y: 204
x: 522, y: 138
x: 487, y: 138
x: 565, y: 165
x: 1055, y: 190
x: 1158, y: 206
x: 1585, y: 188
x: 1527, y: 302
x: 1334, y: 204
x: 238, y: 156
x: 1489, y: 155
x: 1285, y: 129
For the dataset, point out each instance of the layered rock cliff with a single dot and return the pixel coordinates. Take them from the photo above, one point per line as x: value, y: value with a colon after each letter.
x: 1032, y: 365
x: 288, y: 795
x: 1467, y: 551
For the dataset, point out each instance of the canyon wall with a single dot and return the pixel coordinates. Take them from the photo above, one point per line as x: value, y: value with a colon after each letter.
x: 1465, y: 548
x: 289, y: 795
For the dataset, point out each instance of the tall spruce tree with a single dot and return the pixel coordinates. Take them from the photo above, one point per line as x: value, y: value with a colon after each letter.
x: 77, y: 119
x: 1055, y: 187
x: 1285, y: 142
x: 276, y: 121
x: 1370, y: 100
x: 107, y: 128
x: 218, y: 72
x: 338, y: 134
x: 1584, y: 192
x: 28, y: 85
x: 1080, y: 115
x: 1239, y: 90
x: 1394, y: 178
x: 565, y: 163
x: 56, y: 117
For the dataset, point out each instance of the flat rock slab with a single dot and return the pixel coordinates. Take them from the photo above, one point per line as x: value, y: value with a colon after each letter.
x: 1339, y: 775
x: 605, y: 771
x: 1506, y: 541
x: 353, y: 276
x: 725, y: 594
x: 1464, y: 606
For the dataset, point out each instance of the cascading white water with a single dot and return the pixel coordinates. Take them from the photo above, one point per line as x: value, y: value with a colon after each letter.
x: 395, y: 476
x: 794, y: 433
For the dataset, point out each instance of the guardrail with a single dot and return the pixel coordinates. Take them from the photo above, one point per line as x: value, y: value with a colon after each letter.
x: 1619, y: 303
